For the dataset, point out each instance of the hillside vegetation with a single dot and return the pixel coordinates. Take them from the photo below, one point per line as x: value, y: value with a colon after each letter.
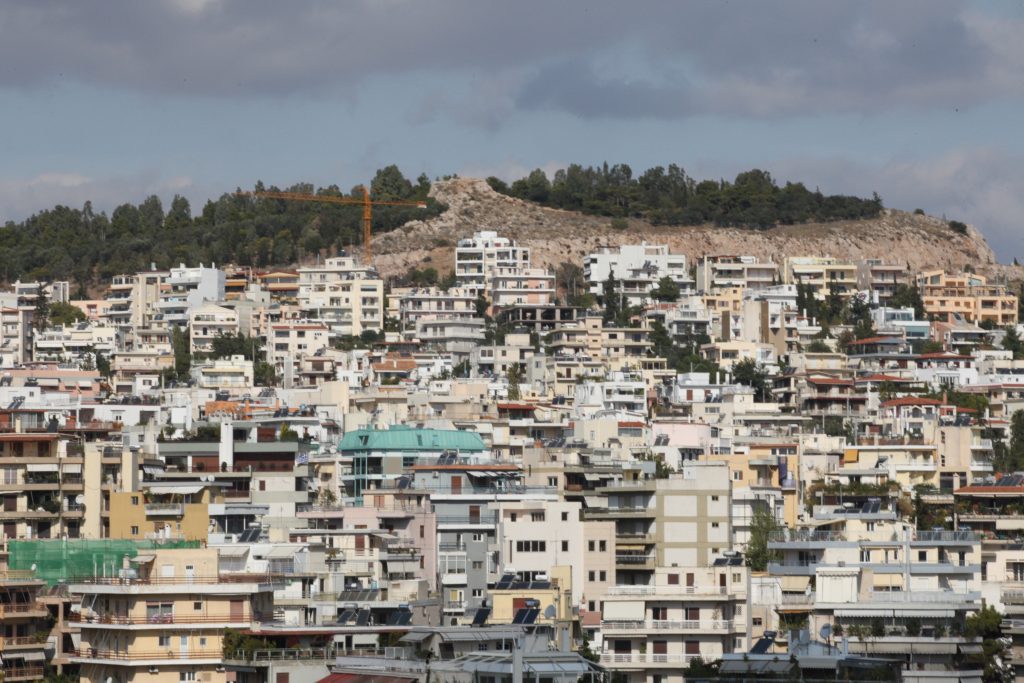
x: 670, y: 197
x: 88, y: 248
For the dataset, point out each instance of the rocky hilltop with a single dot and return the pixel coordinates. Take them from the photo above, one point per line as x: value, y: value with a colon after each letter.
x: 555, y: 236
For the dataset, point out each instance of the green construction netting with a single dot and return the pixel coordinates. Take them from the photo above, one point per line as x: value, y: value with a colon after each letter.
x: 57, y: 561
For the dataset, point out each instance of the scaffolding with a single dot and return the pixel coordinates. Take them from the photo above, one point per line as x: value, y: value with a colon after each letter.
x: 60, y: 560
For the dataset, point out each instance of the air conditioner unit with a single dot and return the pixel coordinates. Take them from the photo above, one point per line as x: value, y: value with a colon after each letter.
x: 154, y: 670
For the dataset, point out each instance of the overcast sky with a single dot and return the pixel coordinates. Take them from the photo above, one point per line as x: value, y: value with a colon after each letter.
x: 111, y: 100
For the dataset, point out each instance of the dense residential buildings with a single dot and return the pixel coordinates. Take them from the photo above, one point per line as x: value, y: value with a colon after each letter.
x: 760, y: 467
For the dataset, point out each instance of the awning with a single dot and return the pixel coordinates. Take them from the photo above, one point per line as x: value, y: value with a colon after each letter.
x: 27, y: 656
x: 143, y: 559
x: 281, y: 553
x: 40, y: 467
x: 232, y: 550
x: 590, y: 476
x: 72, y: 468
x: 595, y: 501
x: 85, y: 383
x: 175, y: 489
x: 625, y: 610
x: 486, y: 475
x: 48, y: 382
x: 970, y: 648
x: 152, y: 469
x: 794, y: 584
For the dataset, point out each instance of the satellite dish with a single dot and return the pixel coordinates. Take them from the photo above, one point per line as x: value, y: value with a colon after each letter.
x: 549, y: 612
x: 826, y: 631
x: 79, y: 499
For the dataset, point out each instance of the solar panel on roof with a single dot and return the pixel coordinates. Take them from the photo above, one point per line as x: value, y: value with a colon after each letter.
x: 363, y: 618
x: 735, y: 561
x: 520, y: 616
x: 531, y: 616
x: 876, y: 505
x: 346, y: 616
x: 404, y: 618
x: 481, y: 616
x: 761, y: 646
x: 505, y: 582
x: 719, y: 562
x: 249, y: 536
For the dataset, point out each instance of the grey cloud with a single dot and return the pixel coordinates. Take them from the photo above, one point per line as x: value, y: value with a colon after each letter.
x: 980, y: 186
x: 746, y: 57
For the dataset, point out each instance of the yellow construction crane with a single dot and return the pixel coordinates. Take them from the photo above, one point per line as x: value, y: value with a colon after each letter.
x: 366, y: 203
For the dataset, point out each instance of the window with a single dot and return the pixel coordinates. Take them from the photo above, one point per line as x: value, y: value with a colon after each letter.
x: 736, y: 476
x: 186, y: 676
x: 512, y: 517
x: 659, y: 613
x: 714, y: 499
x: 565, y: 546
x: 602, y: 546
x: 135, y: 531
x: 736, y: 578
x: 202, y: 641
x: 693, y: 647
x: 922, y: 555
x: 478, y: 564
x: 197, y: 606
x: 537, y: 516
x: 164, y: 641
x: 591, y: 545
x: 421, y: 531
x: 865, y: 555
x: 531, y: 546
x: 591, y: 606
x: 135, y: 500
x: 603, y: 575
x: 693, y: 613
x: 673, y: 579
x: 565, y: 515
x: 714, y: 525
x: 870, y: 526
x: 478, y: 592
x: 757, y: 621
x: 591, y: 576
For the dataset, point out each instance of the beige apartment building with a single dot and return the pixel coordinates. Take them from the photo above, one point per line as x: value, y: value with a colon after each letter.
x: 824, y: 274
x: 966, y: 294
x: 162, y: 620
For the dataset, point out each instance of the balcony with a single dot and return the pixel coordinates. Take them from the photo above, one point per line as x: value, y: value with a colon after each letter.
x: 100, y: 620
x: 669, y: 590
x: 23, y: 642
x: 636, y: 561
x: 165, y: 509
x: 170, y: 656
x: 615, y: 660
x: 27, y: 609
x: 21, y: 673
x: 661, y: 625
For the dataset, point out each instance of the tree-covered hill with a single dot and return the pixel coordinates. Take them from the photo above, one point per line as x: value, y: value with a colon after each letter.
x: 670, y: 197
x: 88, y: 248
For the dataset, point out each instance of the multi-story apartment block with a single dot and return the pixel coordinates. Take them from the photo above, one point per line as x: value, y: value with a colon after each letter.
x: 24, y: 626
x: 967, y: 295
x: 880, y: 279
x: 825, y: 275
x: 521, y: 287
x: 163, y: 617
x: 432, y: 303
x: 683, y: 520
x: 637, y: 269
x: 685, y: 613
x: 288, y: 344
x: 15, y: 335
x: 477, y: 257
x: 75, y: 344
x: 207, y: 322
x: 589, y: 337
x: 42, y: 485
x: 184, y: 290
x: 722, y: 272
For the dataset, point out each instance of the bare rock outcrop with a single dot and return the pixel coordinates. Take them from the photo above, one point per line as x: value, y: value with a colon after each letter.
x: 555, y: 236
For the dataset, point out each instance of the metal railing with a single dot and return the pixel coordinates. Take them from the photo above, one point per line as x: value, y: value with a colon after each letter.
x: 805, y: 536
x: 647, y: 658
x: 165, y: 508
x: 634, y: 559
x: 78, y: 617
x: 669, y: 625
x: 668, y: 590
x: 175, y: 580
x: 147, y: 655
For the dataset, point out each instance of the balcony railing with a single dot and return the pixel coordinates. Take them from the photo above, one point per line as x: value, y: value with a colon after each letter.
x: 165, y: 509
x: 143, y: 656
x: 669, y: 625
x: 162, y: 619
x: 174, y: 580
x: 11, y: 672
x: 634, y: 559
x: 668, y: 590
x: 18, y: 609
x: 646, y: 658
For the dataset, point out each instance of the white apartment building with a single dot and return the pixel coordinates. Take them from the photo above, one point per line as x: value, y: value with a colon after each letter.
x: 521, y: 287
x: 637, y: 269
x: 348, y: 307
x: 289, y: 343
x: 229, y: 374
x: 620, y: 394
x: 332, y: 270
x: 15, y: 335
x: 184, y: 290
x: 207, y: 322
x: 652, y: 632
x: 823, y: 273
x: 477, y: 256
x: 74, y: 343
x: 430, y: 303
x: 717, y: 272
